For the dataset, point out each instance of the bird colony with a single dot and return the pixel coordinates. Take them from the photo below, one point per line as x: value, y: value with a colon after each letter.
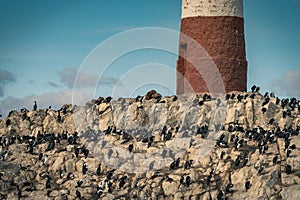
x: 198, y: 146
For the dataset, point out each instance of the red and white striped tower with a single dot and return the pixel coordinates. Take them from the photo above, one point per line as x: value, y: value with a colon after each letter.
x: 218, y: 26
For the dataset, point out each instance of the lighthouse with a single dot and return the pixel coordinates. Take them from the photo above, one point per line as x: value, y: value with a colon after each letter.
x: 217, y: 27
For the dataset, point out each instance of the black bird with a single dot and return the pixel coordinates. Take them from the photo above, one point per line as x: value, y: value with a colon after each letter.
x: 222, y: 155
x: 247, y: 185
x: 110, y: 174
x: 245, y: 161
x: 201, y: 103
x: 240, y: 97
x: 262, y: 149
x: 78, y: 194
x: 84, y: 168
x: 288, y: 169
x: 227, y: 97
x: 277, y: 100
x: 261, y: 169
x: 85, y: 152
x: 284, y: 114
x: 206, y: 97
x: 232, y: 96
x: 170, y: 180
x: 222, y: 137
x: 58, y: 117
x: 208, y: 179
x: 35, y: 106
x: 287, y: 142
x: 188, y: 181
x: 71, y: 140
x: 220, y: 195
x: 30, y: 148
x: 288, y: 152
x: 149, y: 144
x: 45, y: 175
x: 188, y: 164
x: 7, y: 122
x: 237, y: 161
x: 70, y: 176
x: 99, y: 193
x: 181, y: 179
x: 79, y: 183
x: 23, y: 168
x: 19, y: 192
x: 51, y: 145
x: 293, y: 147
x: 175, y: 164
x: 272, y: 120
x: 130, y: 147
x: 122, y: 181
x: 41, y: 156
x: 107, y: 99
x: 272, y: 95
x: 48, y: 183
x: 175, y: 98
x: 138, y: 98
x: 275, y: 160
x: 110, y: 189
x: 212, y: 171
x: 168, y: 136
x: 228, y: 187
x: 267, y: 100
x: 266, y: 94
x: 98, y: 171
x: 231, y: 128
x: 253, y: 88
x: 76, y: 151
x: 257, y: 89
x: 288, y: 113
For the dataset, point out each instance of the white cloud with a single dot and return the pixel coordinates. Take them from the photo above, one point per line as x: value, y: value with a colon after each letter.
x: 69, y: 75
x: 55, y: 99
x: 5, y: 78
x: 288, y: 84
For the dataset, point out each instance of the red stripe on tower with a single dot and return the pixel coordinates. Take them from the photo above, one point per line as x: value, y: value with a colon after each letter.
x: 218, y: 26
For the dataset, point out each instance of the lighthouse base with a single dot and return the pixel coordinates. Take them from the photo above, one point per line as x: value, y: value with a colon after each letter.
x: 222, y: 37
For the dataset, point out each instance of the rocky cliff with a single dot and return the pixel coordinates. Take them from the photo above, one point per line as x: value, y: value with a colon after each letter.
x: 239, y: 145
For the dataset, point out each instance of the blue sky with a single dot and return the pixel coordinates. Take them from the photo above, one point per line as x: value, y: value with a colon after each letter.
x: 43, y: 44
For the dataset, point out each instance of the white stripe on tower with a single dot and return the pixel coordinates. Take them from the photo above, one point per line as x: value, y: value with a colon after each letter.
x: 195, y: 8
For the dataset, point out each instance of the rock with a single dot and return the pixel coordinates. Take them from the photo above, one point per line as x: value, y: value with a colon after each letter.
x: 291, y: 192
x: 169, y: 188
x: 70, y: 166
x: 143, y: 172
x: 152, y: 94
x: 58, y: 164
x: 232, y: 115
x: 178, y: 143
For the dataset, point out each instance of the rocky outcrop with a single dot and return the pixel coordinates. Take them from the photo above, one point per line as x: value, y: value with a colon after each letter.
x: 240, y: 145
